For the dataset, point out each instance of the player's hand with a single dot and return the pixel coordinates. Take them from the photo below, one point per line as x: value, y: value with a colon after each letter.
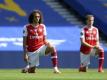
x: 25, y: 57
x: 46, y: 42
x: 97, y: 46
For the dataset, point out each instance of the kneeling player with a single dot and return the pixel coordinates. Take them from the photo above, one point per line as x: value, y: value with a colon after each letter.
x: 90, y: 46
x: 35, y: 43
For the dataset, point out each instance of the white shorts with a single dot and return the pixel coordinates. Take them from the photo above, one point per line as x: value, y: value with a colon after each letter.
x: 34, y: 56
x: 85, y: 59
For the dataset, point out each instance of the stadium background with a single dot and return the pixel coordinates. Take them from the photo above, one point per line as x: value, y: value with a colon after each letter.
x: 64, y: 20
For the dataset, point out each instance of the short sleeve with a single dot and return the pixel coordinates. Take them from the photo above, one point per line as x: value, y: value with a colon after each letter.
x: 97, y: 34
x: 25, y: 31
x: 45, y: 32
x: 82, y: 34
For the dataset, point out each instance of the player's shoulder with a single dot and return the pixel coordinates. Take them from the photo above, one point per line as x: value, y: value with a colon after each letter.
x: 26, y: 25
x: 95, y: 28
x: 84, y: 27
x: 42, y: 24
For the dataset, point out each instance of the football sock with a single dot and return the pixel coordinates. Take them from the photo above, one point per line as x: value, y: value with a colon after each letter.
x: 101, y: 59
x: 54, y: 58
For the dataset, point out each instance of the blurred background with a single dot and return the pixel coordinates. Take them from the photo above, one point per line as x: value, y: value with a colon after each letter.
x: 63, y: 19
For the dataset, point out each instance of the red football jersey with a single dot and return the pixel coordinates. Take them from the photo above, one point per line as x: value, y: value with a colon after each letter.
x: 90, y: 36
x: 35, y: 36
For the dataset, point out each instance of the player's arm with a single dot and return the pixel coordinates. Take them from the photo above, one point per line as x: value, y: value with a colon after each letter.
x: 97, y: 39
x: 45, y: 35
x: 85, y: 43
x: 24, y: 44
x: 82, y: 39
x: 45, y: 40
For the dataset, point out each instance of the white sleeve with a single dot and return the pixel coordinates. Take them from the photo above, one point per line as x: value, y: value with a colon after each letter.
x: 97, y: 34
x: 82, y: 34
x: 25, y: 31
x: 45, y: 32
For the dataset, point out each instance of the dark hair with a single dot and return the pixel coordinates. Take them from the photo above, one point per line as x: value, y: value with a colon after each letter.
x: 89, y: 15
x: 32, y: 15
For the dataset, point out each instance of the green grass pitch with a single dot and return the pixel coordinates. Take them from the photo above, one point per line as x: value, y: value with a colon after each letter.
x: 47, y: 74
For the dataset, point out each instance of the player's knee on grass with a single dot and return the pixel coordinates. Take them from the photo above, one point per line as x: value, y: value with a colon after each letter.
x: 31, y: 70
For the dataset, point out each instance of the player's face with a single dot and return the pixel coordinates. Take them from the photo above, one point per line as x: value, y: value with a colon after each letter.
x: 36, y: 18
x: 90, y: 21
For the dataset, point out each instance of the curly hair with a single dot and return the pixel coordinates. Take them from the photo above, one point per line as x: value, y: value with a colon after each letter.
x: 32, y: 15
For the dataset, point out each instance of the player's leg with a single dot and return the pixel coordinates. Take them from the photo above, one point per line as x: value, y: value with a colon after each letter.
x: 101, y: 59
x: 32, y: 61
x: 25, y: 70
x: 50, y: 49
x: 28, y: 69
x: 85, y: 61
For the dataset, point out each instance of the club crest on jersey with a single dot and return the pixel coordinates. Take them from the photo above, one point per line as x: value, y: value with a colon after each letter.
x: 40, y: 30
x: 94, y: 32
